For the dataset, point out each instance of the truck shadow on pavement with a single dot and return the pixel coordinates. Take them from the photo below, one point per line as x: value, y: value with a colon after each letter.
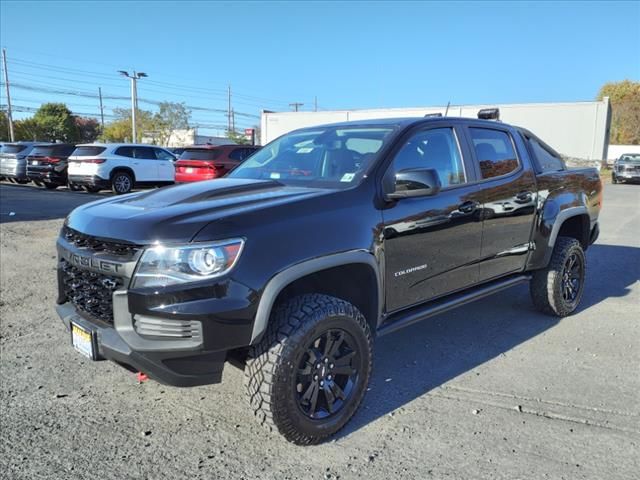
x: 413, y: 361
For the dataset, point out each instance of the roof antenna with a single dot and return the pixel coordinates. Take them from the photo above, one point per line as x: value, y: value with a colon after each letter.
x: 447, y: 110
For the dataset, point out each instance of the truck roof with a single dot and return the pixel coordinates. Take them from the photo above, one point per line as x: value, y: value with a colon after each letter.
x: 404, y: 122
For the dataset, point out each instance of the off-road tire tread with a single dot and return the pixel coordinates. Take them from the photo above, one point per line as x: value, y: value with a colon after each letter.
x: 546, y: 296
x: 288, y: 324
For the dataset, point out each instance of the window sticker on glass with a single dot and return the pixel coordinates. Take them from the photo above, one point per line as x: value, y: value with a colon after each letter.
x: 305, y: 150
x: 347, y: 177
x: 274, y: 175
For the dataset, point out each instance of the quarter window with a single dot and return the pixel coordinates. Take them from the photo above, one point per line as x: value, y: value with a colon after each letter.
x: 494, y: 151
x: 547, y: 161
x: 163, y: 154
x: 435, y: 148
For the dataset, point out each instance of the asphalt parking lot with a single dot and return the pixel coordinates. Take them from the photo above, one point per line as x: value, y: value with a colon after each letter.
x: 493, y: 390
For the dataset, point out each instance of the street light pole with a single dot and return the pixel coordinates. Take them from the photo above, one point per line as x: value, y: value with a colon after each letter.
x: 134, y: 99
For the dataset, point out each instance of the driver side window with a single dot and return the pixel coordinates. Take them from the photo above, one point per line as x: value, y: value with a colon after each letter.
x: 436, y: 148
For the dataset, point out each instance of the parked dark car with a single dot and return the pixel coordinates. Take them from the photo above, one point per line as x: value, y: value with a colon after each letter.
x: 13, y: 161
x: 327, y: 237
x: 47, y: 164
x: 206, y: 162
x: 626, y: 168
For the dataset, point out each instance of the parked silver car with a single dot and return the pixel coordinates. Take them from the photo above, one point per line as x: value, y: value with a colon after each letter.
x: 13, y: 161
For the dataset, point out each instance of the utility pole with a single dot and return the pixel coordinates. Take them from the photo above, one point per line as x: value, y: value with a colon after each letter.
x: 101, y: 110
x: 296, y: 105
x: 6, y: 82
x: 315, y: 104
x: 134, y: 99
x: 233, y: 121
x: 229, y: 111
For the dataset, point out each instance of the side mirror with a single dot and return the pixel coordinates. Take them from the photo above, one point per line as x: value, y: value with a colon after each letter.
x: 415, y: 182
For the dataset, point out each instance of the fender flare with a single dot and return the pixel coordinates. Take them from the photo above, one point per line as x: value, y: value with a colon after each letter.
x: 279, y: 281
x: 563, y: 216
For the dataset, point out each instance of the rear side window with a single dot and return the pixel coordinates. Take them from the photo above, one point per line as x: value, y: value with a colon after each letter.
x: 200, y: 154
x: 495, y: 152
x: 88, y: 151
x: 125, y: 152
x: 240, y: 153
x: 547, y: 161
x: 13, y: 148
x: 145, y: 153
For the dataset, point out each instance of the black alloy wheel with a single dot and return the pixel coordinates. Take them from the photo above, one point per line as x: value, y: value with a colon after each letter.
x: 327, y: 374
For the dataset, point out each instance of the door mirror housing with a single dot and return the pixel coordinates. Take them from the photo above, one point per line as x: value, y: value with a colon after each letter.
x: 415, y: 182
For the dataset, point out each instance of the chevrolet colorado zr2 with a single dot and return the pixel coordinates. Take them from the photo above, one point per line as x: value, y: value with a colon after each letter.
x: 326, y: 238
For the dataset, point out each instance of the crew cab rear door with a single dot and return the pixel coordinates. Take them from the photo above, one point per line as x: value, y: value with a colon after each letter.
x: 432, y: 243
x: 507, y: 184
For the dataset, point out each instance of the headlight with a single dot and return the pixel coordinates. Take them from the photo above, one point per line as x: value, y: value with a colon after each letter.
x: 161, y: 266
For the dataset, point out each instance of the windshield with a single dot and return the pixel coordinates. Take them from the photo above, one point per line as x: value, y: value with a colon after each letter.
x: 630, y: 157
x: 329, y: 157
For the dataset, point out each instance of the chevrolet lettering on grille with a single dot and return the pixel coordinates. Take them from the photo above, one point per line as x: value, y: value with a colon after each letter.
x: 92, y: 263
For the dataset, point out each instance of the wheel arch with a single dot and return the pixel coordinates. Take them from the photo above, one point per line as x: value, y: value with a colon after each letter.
x: 128, y: 170
x: 325, y: 275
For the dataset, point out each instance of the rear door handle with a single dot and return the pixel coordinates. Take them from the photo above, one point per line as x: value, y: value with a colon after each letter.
x: 468, y: 207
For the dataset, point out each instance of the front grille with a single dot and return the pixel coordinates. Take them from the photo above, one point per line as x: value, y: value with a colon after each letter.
x: 95, y: 244
x: 90, y: 292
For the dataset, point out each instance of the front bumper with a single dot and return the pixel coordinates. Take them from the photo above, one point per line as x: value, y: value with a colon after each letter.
x: 89, y: 180
x: 178, y: 335
x: 180, y: 368
x: 628, y: 174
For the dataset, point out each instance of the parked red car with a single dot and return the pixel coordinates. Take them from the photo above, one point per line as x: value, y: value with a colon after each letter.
x: 205, y: 162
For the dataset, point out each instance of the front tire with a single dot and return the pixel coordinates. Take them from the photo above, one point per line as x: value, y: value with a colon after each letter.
x: 308, y: 375
x: 557, y: 289
x: 121, y: 183
x: 614, y: 179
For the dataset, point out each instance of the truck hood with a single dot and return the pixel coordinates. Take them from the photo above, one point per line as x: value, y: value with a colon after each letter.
x: 176, y: 214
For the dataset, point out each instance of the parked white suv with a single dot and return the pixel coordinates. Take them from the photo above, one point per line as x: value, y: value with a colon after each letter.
x: 120, y: 166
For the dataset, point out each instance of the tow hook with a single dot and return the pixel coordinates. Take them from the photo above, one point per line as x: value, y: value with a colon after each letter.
x: 141, y: 377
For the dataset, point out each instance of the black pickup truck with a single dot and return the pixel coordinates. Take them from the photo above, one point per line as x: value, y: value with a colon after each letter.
x: 323, y: 240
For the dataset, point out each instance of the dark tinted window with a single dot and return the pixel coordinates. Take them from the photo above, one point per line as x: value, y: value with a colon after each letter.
x: 436, y: 148
x: 494, y: 151
x: 200, y: 154
x: 88, y: 151
x: 146, y: 153
x: 163, y: 154
x: 125, y: 151
x: 546, y: 160
x: 53, y: 151
x: 13, y: 148
x: 240, y: 153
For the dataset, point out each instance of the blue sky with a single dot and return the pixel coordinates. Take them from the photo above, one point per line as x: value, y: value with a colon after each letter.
x: 349, y: 55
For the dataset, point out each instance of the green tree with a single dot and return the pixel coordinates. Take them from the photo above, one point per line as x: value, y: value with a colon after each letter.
x: 170, y: 117
x: 4, y: 127
x: 625, y: 111
x: 55, y: 122
x: 119, y: 130
x: 237, y: 137
x: 26, y: 130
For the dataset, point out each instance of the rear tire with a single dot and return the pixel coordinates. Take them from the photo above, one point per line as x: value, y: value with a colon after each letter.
x: 557, y: 289
x: 309, y: 373
x: 50, y: 186
x: 121, y: 183
x: 91, y: 189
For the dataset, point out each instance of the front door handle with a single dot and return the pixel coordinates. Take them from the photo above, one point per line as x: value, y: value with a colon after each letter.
x: 468, y: 207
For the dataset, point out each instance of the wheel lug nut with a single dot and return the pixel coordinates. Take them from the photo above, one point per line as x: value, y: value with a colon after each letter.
x: 326, y: 360
x: 321, y: 383
x: 329, y: 377
x: 315, y: 377
x: 331, y: 365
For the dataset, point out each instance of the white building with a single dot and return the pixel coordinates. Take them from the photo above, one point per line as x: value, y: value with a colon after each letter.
x: 577, y: 130
x: 185, y: 138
